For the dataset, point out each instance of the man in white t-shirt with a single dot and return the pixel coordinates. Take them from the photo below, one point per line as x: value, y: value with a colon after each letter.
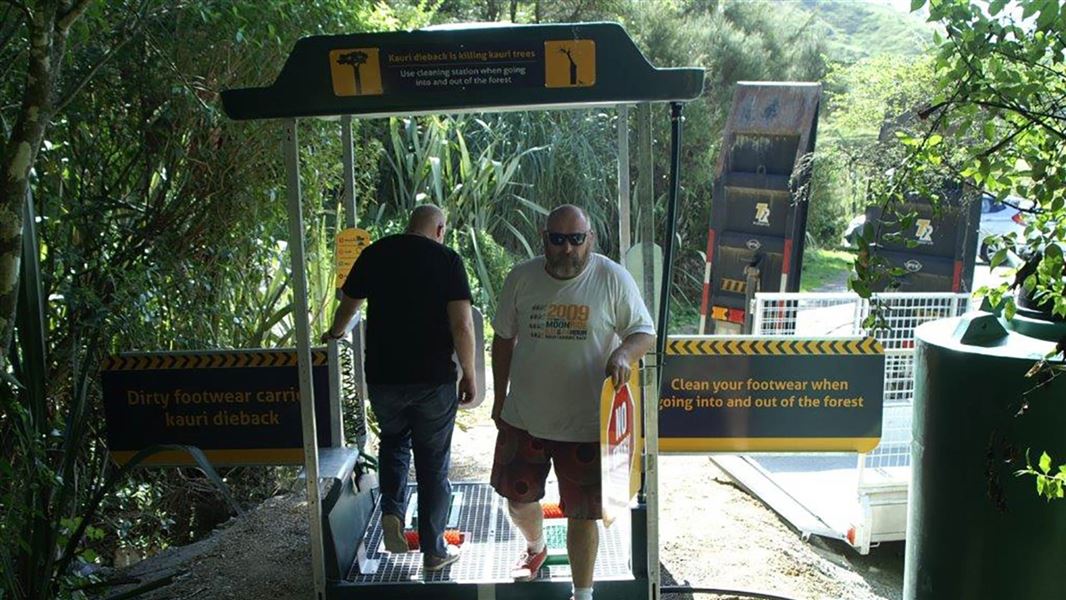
x: 563, y: 321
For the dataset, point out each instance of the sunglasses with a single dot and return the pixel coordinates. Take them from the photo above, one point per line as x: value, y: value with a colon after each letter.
x: 575, y: 239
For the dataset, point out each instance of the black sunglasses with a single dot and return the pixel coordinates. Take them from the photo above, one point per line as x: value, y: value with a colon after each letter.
x: 575, y: 239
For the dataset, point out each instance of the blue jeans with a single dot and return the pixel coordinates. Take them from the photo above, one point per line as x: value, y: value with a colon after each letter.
x: 417, y: 417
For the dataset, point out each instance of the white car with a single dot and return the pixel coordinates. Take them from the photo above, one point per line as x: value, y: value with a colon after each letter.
x: 1000, y: 217
x: 855, y: 227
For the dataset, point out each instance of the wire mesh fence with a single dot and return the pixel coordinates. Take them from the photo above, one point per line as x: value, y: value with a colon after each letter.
x: 894, y: 319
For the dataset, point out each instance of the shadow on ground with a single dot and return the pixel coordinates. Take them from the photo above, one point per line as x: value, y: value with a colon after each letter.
x: 668, y: 580
x: 882, y: 568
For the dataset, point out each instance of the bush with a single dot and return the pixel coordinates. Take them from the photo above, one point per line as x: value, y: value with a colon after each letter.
x: 828, y: 211
x: 487, y: 264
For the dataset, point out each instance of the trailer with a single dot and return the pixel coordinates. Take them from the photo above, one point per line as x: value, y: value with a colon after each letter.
x: 758, y: 222
x: 858, y: 498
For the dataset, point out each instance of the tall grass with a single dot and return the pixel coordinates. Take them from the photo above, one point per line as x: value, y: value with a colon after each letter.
x: 469, y: 167
x: 497, y: 176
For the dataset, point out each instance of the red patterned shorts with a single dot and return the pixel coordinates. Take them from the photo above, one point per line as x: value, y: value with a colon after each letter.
x: 521, y: 463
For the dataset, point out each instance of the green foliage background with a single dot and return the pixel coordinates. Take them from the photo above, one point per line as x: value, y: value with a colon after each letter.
x: 162, y: 223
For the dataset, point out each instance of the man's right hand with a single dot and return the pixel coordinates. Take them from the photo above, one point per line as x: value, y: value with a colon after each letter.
x: 502, y: 351
x: 497, y: 408
x: 467, y: 390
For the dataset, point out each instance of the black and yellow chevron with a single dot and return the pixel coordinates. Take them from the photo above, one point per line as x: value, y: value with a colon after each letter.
x: 757, y: 444
x: 761, y: 346
x: 734, y: 285
x: 215, y: 360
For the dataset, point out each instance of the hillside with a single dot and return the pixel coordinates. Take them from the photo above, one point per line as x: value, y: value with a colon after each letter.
x: 858, y: 29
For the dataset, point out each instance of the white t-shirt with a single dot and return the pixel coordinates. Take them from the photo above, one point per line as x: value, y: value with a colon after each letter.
x: 566, y: 330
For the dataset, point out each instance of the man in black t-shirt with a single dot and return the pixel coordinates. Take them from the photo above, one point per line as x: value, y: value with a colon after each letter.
x: 418, y: 313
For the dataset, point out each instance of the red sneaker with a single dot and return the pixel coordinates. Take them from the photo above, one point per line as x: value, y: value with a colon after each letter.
x: 528, y: 564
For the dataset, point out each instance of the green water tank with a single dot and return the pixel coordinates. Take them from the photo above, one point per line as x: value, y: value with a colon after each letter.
x: 975, y: 530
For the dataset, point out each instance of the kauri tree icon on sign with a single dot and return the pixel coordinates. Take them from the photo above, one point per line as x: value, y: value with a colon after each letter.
x: 573, y: 65
x: 355, y: 60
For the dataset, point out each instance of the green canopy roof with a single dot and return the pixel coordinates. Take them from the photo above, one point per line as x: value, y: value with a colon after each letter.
x: 463, y: 68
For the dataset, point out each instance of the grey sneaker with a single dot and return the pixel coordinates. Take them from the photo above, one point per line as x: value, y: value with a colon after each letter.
x: 392, y: 532
x: 436, y: 563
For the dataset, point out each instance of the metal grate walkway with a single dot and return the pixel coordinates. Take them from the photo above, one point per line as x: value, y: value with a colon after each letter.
x: 491, y: 547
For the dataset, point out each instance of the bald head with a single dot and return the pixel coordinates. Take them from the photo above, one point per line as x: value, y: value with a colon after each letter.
x: 567, y: 217
x: 428, y: 221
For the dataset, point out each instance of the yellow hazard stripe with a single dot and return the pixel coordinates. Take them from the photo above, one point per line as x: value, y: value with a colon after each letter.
x: 763, y: 346
x: 259, y: 456
x: 683, y: 445
x: 734, y: 285
x: 223, y: 360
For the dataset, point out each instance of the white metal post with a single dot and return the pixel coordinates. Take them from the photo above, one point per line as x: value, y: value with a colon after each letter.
x: 303, y: 354
x: 351, y: 219
x: 624, y: 227
x: 646, y: 204
x: 757, y: 323
x: 651, y: 468
x: 336, y: 390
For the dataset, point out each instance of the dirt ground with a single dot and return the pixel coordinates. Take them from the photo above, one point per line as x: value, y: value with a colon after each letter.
x: 737, y: 543
x: 713, y: 535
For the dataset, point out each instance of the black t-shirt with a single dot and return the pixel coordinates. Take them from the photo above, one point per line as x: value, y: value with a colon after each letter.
x: 408, y: 281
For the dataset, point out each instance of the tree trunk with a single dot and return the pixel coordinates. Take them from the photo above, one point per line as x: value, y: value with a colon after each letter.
x: 48, y: 29
x: 19, y: 156
x: 492, y: 10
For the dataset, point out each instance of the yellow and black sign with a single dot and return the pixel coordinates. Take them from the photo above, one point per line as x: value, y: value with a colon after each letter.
x: 350, y: 244
x: 767, y: 394
x: 355, y: 72
x: 220, y: 360
x: 569, y: 63
x: 478, y: 67
x: 734, y: 285
x: 239, y: 407
x: 736, y: 345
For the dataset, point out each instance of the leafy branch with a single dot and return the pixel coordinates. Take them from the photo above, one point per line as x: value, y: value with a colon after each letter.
x: 1050, y: 481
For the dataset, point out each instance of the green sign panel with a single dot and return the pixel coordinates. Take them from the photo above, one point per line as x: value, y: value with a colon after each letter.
x: 239, y: 407
x: 463, y: 68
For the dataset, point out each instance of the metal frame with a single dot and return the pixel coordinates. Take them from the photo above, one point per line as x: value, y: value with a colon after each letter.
x: 303, y: 352
x: 301, y: 310
x: 302, y: 90
x: 351, y: 219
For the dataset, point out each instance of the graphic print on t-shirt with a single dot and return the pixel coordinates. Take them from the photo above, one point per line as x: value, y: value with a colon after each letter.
x: 559, y: 321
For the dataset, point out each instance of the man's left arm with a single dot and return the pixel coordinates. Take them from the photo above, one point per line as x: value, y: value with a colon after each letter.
x: 354, y: 292
x: 633, y: 348
x: 461, y: 324
x: 342, y: 318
